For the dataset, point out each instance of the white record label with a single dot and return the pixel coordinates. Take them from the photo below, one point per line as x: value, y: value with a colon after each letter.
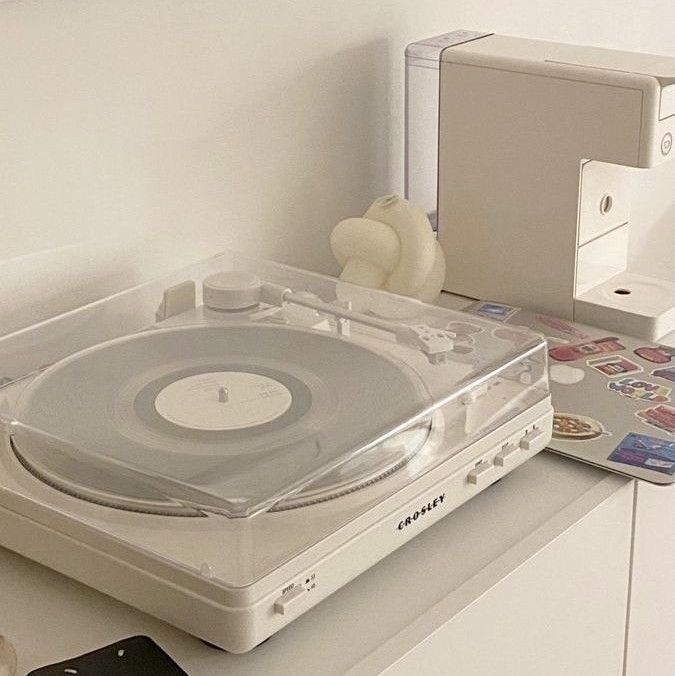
x: 223, y: 400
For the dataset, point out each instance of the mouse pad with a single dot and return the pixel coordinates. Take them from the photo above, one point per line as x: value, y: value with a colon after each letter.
x: 134, y: 656
x: 613, y: 394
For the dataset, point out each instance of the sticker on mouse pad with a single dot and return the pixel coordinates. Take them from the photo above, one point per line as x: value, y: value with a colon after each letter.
x: 565, y: 374
x: 662, y: 417
x: 665, y: 373
x: 640, y: 450
x: 562, y: 326
x: 641, y: 390
x: 496, y: 311
x: 658, y: 354
x: 615, y: 365
x: 596, y: 347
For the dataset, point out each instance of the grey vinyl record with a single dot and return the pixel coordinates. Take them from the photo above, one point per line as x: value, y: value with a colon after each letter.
x: 230, y: 417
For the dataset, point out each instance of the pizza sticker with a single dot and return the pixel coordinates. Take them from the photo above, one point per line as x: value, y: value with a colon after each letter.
x: 574, y: 427
x: 640, y: 450
x: 640, y: 390
x: 616, y: 365
x: 662, y: 417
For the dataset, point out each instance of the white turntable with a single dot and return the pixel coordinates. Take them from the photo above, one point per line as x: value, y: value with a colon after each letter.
x: 228, y: 460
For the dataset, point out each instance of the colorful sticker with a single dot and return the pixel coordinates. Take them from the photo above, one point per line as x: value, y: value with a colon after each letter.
x: 496, y: 311
x: 662, y: 417
x: 640, y: 390
x: 561, y: 325
x: 574, y: 427
x: 580, y: 350
x: 659, y: 354
x: 566, y: 375
x: 616, y: 365
x: 665, y: 373
x: 639, y: 450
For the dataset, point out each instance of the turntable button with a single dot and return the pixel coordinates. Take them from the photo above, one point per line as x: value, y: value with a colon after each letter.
x: 481, y: 473
x: 528, y: 441
x: 285, y: 601
x: 507, y: 456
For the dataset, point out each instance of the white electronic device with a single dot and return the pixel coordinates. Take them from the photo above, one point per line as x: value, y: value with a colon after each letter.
x: 539, y: 147
x: 226, y: 446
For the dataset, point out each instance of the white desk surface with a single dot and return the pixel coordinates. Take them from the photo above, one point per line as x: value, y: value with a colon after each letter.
x: 49, y: 617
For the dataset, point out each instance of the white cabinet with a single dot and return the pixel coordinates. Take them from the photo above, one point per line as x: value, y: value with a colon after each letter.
x: 651, y: 625
x: 561, y: 611
x: 529, y: 577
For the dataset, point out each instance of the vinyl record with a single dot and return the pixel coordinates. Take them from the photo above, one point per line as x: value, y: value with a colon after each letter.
x: 240, y: 412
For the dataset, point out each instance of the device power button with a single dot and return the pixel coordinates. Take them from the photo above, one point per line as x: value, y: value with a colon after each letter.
x: 284, y: 602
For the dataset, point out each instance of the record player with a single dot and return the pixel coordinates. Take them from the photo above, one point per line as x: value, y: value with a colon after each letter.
x: 228, y: 445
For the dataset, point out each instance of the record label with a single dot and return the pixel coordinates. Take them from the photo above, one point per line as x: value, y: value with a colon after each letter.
x: 223, y: 400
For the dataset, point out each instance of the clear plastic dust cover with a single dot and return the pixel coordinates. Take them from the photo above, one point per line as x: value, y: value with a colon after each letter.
x: 238, y: 387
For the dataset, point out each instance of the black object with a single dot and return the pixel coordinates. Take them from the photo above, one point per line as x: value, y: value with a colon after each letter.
x: 134, y: 656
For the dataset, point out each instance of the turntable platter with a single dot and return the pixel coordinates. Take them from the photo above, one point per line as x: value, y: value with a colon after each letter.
x: 240, y: 412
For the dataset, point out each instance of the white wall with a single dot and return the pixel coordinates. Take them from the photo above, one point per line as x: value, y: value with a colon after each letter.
x: 189, y: 126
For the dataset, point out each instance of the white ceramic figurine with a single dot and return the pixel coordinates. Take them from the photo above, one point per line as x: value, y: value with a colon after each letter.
x: 392, y: 247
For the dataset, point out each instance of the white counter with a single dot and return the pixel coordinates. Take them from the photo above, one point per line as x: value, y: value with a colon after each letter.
x: 530, y: 577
